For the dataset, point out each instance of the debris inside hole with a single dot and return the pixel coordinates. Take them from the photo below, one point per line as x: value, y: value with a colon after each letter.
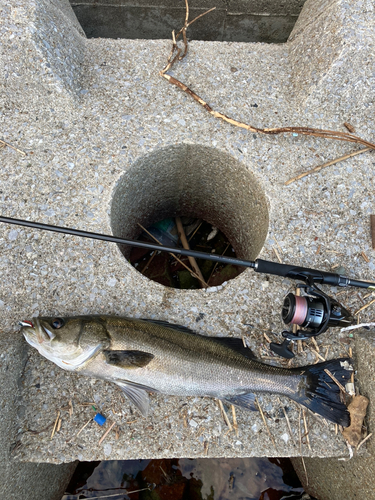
x: 166, y: 270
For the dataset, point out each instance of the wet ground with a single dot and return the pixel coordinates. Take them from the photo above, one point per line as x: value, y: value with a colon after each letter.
x: 186, y: 479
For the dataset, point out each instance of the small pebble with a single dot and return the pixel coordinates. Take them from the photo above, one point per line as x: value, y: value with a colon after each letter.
x: 13, y: 235
x: 107, y: 448
x: 285, y: 438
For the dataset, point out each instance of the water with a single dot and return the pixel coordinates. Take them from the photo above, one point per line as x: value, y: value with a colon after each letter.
x: 186, y: 479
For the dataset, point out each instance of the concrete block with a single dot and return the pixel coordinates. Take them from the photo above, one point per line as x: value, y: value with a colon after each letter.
x: 94, y: 118
x: 328, y: 478
x: 22, y: 480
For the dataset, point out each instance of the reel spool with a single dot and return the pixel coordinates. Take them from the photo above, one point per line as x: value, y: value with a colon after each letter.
x: 314, y: 312
x: 303, y: 311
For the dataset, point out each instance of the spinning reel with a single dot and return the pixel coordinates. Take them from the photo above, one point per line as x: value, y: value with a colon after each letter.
x: 314, y: 312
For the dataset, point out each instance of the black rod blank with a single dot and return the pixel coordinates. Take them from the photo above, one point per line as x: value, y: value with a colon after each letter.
x: 261, y: 266
x: 122, y: 241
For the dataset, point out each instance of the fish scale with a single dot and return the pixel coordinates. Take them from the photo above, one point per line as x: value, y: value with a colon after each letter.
x: 222, y: 371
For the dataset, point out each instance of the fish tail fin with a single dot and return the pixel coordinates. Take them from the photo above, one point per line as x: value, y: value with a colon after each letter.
x: 321, y: 394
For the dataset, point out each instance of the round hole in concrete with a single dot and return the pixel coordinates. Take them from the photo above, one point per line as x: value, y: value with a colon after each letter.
x: 194, y: 181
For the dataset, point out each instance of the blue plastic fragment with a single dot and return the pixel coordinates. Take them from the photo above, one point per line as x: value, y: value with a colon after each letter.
x: 99, y: 419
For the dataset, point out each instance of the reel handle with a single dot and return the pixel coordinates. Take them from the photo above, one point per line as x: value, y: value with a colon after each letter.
x: 282, y: 349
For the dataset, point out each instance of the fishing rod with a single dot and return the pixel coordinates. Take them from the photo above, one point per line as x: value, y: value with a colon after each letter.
x: 315, y: 311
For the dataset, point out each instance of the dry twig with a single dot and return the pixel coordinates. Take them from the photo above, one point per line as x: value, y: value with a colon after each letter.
x: 287, y: 421
x: 106, y: 433
x: 328, y: 164
x: 174, y: 256
x: 125, y: 492
x: 83, y: 427
x: 365, y: 258
x: 55, y: 426
x: 4, y: 143
x: 195, y: 231
x: 265, y: 423
x: 235, y: 425
x: 154, y: 253
x: 342, y: 388
x: 300, y: 446
x: 364, y: 440
x: 70, y: 408
x: 277, y: 255
x: 306, y: 429
x: 175, y: 56
x: 364, y: 307
x: 224, y: 414
x: 216, y: 263
x: 185, y: 244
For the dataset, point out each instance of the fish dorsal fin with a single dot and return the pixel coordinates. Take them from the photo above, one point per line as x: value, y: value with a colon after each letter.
x: 166, y: 324
x: 236, y: 345
x: 128, y: 359
x: 137, y: 395
x: 243, y: 400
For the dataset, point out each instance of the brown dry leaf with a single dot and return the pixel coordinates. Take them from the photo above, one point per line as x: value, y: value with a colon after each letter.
x: 357, y: 410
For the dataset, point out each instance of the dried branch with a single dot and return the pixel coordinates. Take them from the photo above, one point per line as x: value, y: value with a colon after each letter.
x: 265, y: 423
x: 185, y: 244
x: 55, y: 425
x: 327, y: 134
x: 328, y: 164
x: 364, y: 307
x: 4, y: 143
x: 224, y: 414
x: 175, y: 257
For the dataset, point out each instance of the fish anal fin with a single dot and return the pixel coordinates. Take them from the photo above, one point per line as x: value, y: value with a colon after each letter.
x: 246, y: 401
x: 128, y: 359
x: 137, y: 395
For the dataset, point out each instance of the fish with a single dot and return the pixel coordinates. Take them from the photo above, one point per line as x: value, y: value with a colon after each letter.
x: 147, y: 355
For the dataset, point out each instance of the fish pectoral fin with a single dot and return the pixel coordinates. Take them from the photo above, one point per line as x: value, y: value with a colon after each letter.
x: 243, y: 400
x: 137, y: 396
x: 128, y: 359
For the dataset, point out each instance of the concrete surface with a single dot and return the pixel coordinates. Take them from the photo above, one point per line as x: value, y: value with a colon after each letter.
x: 22, y: 480
x: 328, y: 478
x: 90, y: 112
x: 232, y: 21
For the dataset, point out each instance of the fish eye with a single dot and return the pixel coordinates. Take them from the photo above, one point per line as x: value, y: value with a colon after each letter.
x: 57, y: 323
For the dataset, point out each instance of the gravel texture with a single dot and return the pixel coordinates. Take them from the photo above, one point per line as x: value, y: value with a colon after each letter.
x: 85, y: 112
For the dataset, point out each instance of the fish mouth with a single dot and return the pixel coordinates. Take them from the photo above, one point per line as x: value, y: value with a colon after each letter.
x: 26, y: 323
x: 35, y: 333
